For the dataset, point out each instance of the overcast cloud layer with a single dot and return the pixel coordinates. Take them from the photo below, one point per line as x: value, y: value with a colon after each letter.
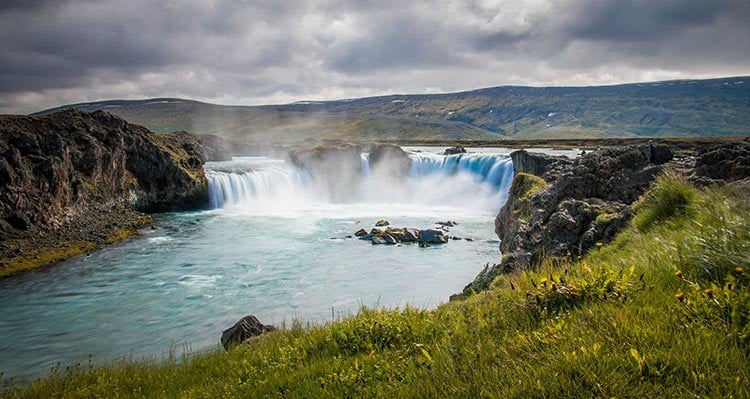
x: 269, y: 51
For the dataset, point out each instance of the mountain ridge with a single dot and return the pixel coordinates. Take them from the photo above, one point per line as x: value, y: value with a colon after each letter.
x: 708, y: 107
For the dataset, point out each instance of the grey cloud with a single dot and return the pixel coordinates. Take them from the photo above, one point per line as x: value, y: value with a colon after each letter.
x: 269, y: 51
x: 626, y: 20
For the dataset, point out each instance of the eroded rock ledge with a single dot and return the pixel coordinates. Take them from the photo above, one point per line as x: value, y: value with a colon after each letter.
x: 72, y: 181
x: 560, y: 208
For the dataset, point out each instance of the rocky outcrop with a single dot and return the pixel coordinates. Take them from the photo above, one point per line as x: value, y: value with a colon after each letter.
x: 584, y: 201
x: 389, y: 160
x: 537, y: 164
x: 246, y: 328
x: 398, y: 235
x: 333, y: 167
x: 726, y: 162
x: 454, y: 150
x: 560, y: 208
x: 432, y: 236
x: 83, y: 177
x: 208, y: 148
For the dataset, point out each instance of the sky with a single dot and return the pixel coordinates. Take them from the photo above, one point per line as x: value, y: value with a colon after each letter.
x: 253, y: 52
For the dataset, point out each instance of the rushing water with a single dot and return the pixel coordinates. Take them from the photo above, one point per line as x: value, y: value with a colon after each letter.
x: 272, y: 246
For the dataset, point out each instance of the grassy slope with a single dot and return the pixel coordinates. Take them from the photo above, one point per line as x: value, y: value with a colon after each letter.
x: 619, y: 323
x: 716, y: 107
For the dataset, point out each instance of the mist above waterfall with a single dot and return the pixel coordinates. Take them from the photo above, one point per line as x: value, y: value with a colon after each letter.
x: 427, y: 182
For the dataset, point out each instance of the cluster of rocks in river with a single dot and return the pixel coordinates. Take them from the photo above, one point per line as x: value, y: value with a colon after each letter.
x: 397, y: 235
x: 84, y: 177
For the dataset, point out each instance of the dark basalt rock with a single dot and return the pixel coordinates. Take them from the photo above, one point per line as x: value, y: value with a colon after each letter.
x: 537, y: 164
x: 410, y: 235
x: 389, y: 160
x: 207, y: 147
x: 334, y: 168
x: 360, y: 233
x: 454, y: 150
x: 246, y: 328
x: 586, y: 200
x: 723, y: 162
x: 74, y: 175
x: 432, y: 236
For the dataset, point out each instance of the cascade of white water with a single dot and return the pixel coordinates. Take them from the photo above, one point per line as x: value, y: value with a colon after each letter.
x: 265, y: 181
x: 495, y: 170
x: 365, y: 157
x: 477, y: 181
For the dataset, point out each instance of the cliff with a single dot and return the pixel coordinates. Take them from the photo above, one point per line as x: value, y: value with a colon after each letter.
x: 72, y: 181
x: 561, y: 208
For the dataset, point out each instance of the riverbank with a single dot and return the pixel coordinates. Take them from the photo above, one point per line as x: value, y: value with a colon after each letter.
x: 72, y: 182
x: 661, y: 311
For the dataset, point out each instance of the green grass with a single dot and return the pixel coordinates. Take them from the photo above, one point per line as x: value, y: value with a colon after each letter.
x: 525, y: 185
x: 632, y: 319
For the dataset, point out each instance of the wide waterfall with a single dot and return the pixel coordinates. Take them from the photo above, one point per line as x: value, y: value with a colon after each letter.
x: 478, y: 182
x: 275, y: 244
x: 252, y: 181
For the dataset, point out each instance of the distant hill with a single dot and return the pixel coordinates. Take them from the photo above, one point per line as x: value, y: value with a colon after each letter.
x: 714, y: 107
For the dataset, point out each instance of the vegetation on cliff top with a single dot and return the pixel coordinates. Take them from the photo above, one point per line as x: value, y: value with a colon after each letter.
x: 662, y: 311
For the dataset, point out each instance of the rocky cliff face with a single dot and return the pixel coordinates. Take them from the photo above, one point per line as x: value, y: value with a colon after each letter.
x: 561, y: 208
x: 723, y: 162
x: 75, y: 175
x: 584, y: 201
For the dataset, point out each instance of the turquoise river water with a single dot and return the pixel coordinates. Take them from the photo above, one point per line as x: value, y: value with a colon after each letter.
x: 271, y: 246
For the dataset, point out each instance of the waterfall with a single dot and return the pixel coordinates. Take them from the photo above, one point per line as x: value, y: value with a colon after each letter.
x: 471, y: 181
x: 494, y: 170
x: 254, y: 181
x: 365, y: 159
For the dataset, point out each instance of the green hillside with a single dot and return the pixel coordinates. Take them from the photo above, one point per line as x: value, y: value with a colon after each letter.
x: 716, y: 107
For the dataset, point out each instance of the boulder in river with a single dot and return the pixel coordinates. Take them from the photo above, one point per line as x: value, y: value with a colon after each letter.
x: 382, y: 223
x: 454, y: 150
x: 361, y: 233
x: 247, y: 327
x: 390, y: 240
x: 410, y: 235
x: 432, y: 236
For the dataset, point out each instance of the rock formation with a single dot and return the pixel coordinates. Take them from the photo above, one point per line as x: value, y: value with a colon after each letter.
x: 454, y: 150
x: 722, y: 162
x: 336, y: 169
x: 206, y: 146
x: 332, y: 167
x: 560, y: 208
x: 389, y: 160
x: 246, y: 328
x: 82, y: 177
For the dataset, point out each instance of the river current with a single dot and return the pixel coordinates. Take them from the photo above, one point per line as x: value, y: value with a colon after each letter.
x: 270, y: 245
